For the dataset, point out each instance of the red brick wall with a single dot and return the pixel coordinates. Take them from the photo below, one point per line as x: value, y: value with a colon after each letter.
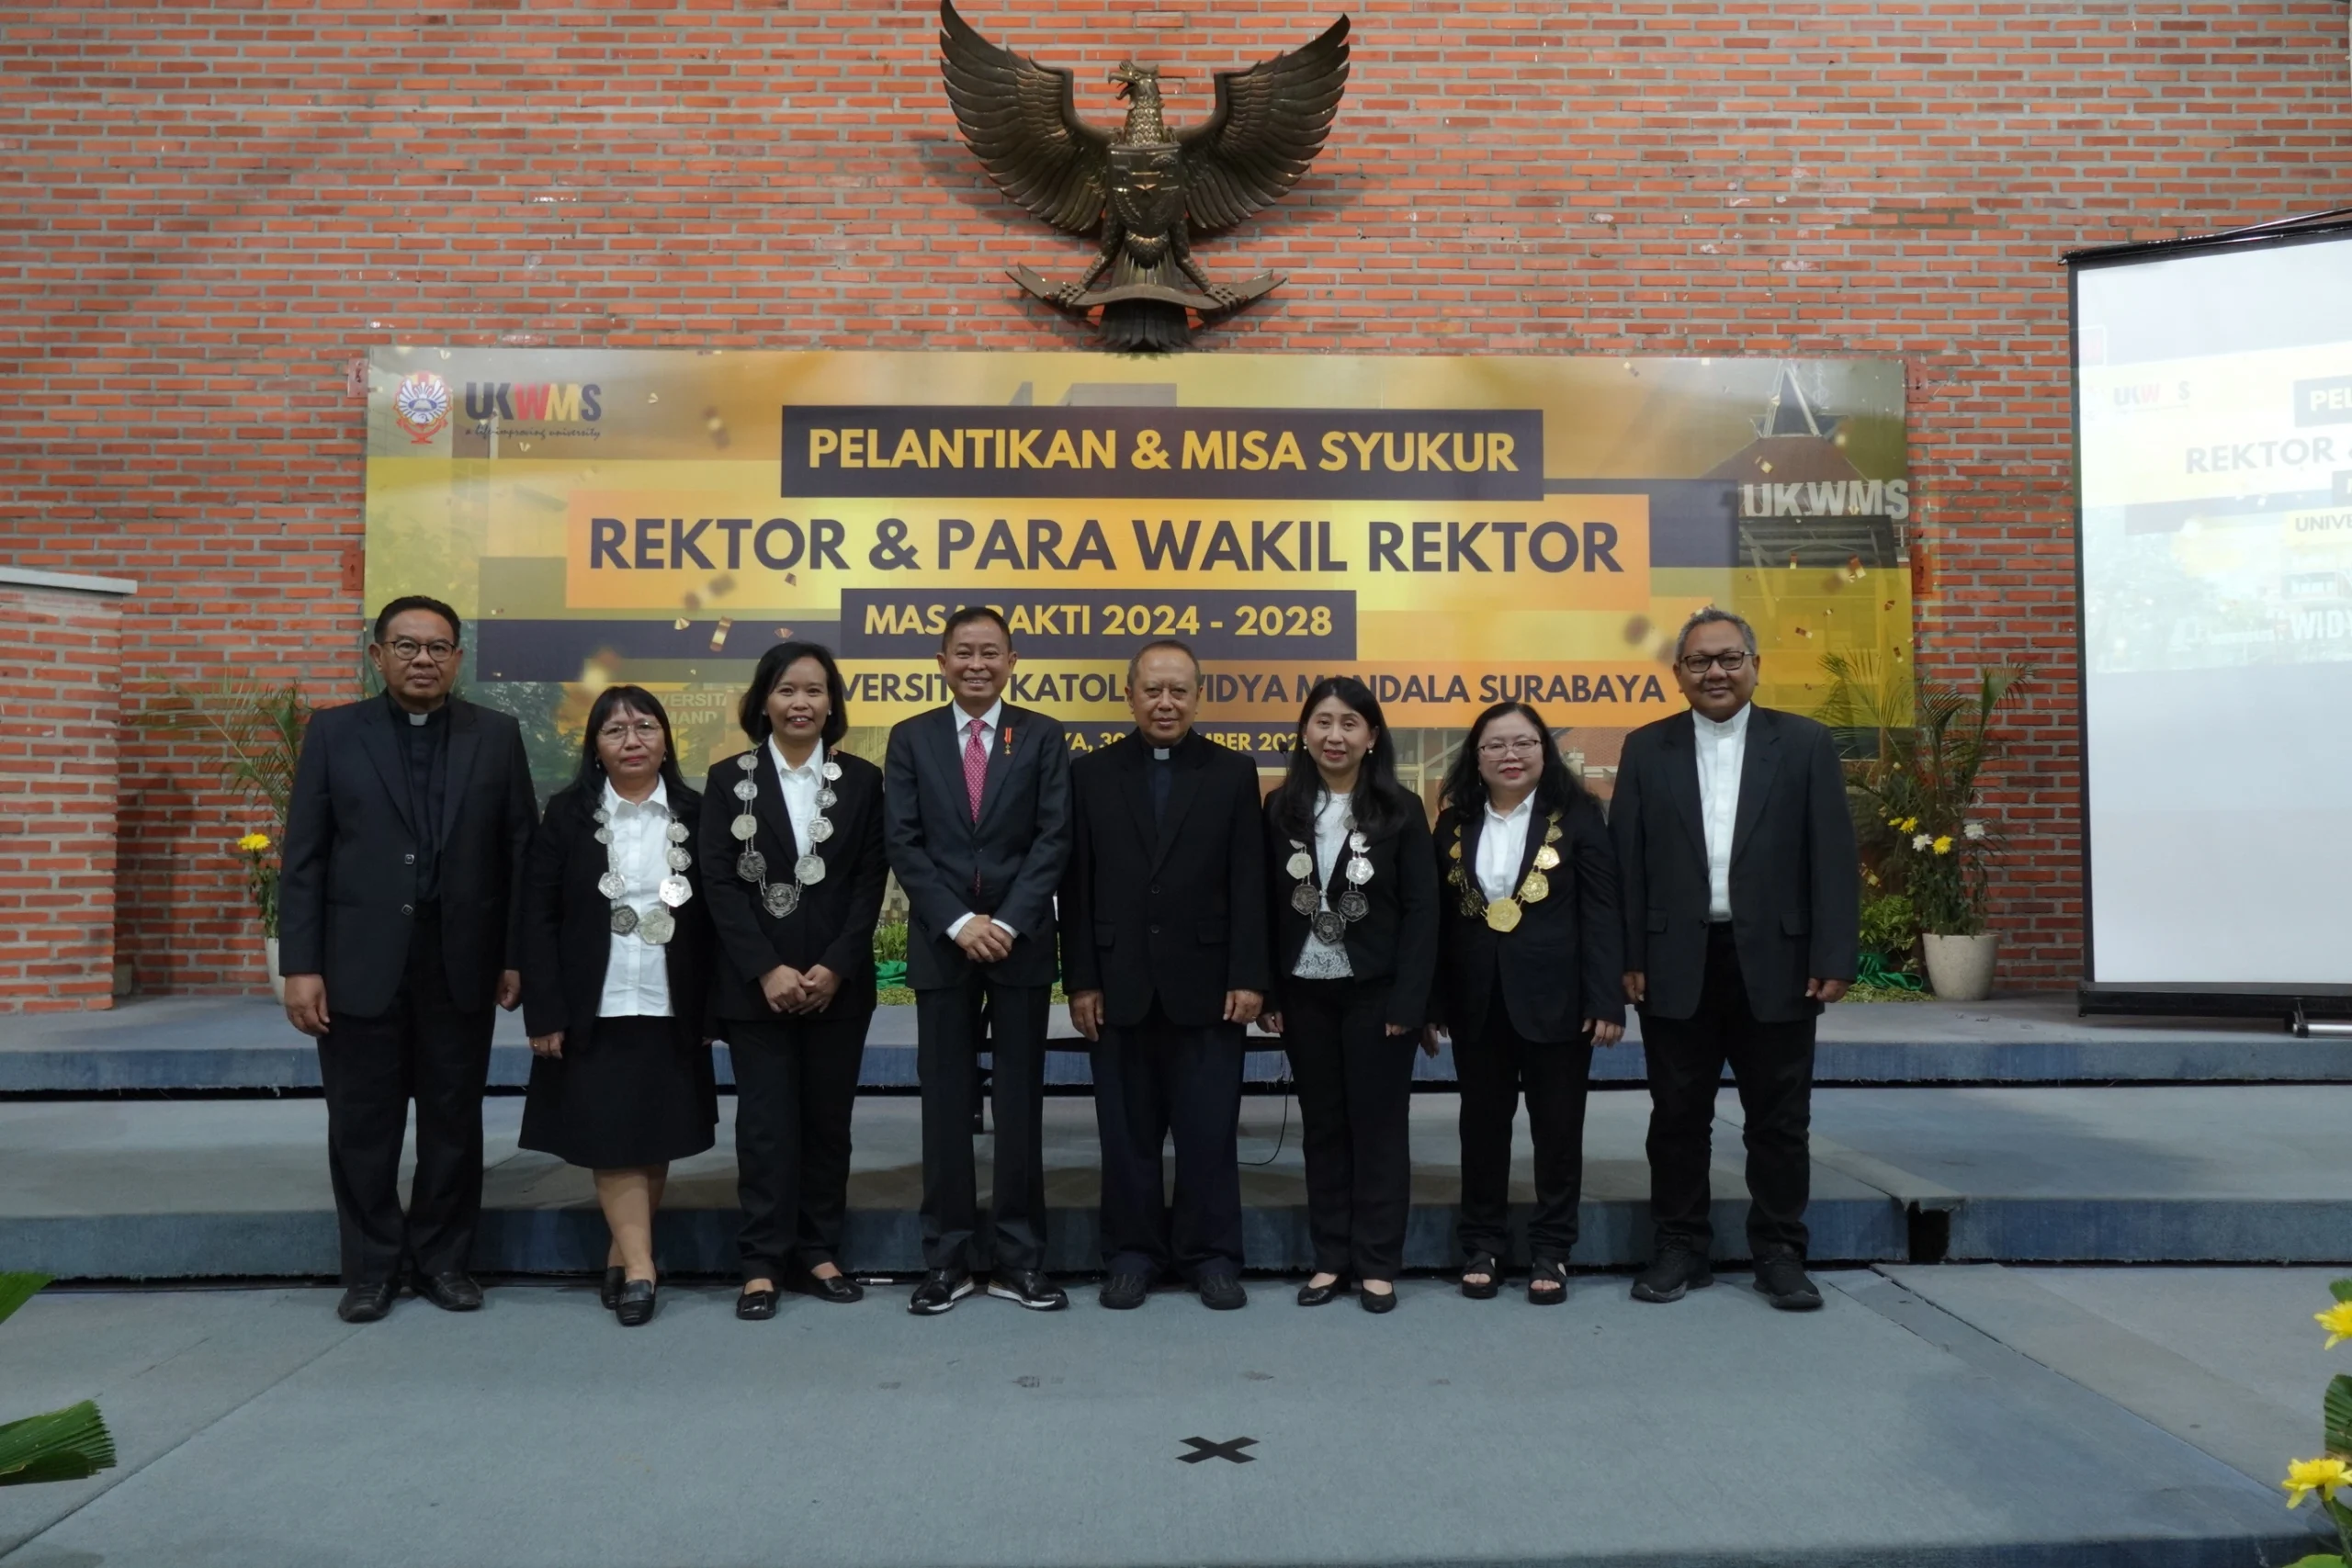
x: 60, y: 696
x: 221, y: 204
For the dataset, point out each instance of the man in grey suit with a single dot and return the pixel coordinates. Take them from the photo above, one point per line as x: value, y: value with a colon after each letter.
x: 1742, y: 901
x: 405, y: 838
x: 976, y: 812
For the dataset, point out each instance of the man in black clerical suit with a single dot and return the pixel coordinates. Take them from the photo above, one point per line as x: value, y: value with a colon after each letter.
x: 1742, y: 899
x: 398, y: 929
x: 1164, y: 958
x: 975, y: 819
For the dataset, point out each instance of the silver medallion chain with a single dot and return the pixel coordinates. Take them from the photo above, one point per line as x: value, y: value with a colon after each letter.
x: 1330, y: 926
x: 657, y: 925
x: 780, y: 899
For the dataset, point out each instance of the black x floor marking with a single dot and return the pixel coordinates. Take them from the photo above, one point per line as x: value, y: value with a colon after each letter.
x: 1231, y: 1449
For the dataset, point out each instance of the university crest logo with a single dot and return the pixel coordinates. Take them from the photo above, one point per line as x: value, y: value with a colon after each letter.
x: 421, y: 405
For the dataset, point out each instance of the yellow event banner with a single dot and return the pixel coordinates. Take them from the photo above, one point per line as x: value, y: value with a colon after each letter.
x: 1453, y: 531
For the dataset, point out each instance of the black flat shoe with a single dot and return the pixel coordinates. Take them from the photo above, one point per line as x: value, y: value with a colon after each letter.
x: 609, y: 1293
x: 368, y: 1302
x: 1222, y: 1292
x: 1677, y: 1271
x: 452, y: 1292
x: 1378, y: 1301
x: 755, y: 1307
x: 1314, y: 1295
x: 840, y: 1289
x: 1485, y: 1263
x: 636, y: 1304
x: 1551, y: 1272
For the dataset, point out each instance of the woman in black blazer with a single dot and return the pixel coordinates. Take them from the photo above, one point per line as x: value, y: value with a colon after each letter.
x: 1355, y: 926
x: 1529, y: 964
x: 616, y: 976
x: 792, y: 856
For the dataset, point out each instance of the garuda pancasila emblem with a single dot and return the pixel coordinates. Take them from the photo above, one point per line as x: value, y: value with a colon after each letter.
x: 1147, y: 191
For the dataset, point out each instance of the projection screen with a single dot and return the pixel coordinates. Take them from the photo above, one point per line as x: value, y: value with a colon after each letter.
x: 2213, y: 415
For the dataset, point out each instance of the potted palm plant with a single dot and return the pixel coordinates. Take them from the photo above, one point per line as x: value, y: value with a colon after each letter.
x: 1916, y: 801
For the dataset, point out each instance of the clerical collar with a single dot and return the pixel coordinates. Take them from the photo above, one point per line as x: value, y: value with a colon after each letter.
x: 1161, y: 753
x: 419, y: 719
x: 1726, y: 727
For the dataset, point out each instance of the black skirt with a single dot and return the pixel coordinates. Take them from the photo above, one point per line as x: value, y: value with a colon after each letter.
x: 633, y: 1095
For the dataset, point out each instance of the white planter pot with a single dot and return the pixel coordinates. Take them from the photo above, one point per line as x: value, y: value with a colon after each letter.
x: 277, y: 980
x: 1960, y: 968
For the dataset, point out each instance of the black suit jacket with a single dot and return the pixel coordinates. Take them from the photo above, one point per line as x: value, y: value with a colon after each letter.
x: 1564, y: 963
x: 833, y: 923
x: 1796, y: 880
x: 1397, y: 939
x: 1176, y: 911
x: 568, y: 933
x: 1007, y: 865
x: 348, y: 889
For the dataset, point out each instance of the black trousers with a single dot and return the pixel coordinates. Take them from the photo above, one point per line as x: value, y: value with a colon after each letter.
x: 1152, y: 1079
x: 1355, y: 1091
x: 1493, y: 1071
x: 795, y: 1085
x: 952, y: 1025
x: 1773, y: 1065
x: 423, y: 1048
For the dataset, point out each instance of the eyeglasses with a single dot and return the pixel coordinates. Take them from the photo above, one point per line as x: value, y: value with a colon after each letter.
x: 405, y: 650
x: 643, y: 728
x: 1523, y: 745
x: 1732, y: 660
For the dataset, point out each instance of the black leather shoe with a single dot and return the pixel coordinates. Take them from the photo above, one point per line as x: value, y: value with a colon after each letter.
x: 1124, y: 1292
x: 1314, y: 1295
x: 941, y: 1289
x: 451, y: 1292
x: 368, y: 1302
x: 1222, y: 1292
x: 1780, y: 1279
x: 609, y: 1293
x: 636, y: 1303
x: 1677, y: 1270
x: 755, y: 1307
x: 1030, y: 1287
x: 1378, y: 1301
x: 840, y: 1288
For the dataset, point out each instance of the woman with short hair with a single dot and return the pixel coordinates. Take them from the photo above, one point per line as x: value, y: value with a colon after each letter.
x: 1528, y: 981
x: 1355, y: 926
x: 792, y: 857
x: 615, y: 966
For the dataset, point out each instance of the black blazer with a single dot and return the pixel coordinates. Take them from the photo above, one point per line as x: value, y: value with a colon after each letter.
x: 568, y: 934
x: 1397, y: 939
x: 1563, y: 963
x: 347, y: 887
x: 1176, y: 911
x: 1007, y: 865
x: 832, y: 925
x: 1795, y: 879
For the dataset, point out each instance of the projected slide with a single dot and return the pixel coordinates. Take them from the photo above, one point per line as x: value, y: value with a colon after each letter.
x: 2214, y: 400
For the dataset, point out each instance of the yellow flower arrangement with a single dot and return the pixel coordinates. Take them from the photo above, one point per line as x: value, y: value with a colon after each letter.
x: 1942, y: 845
x: 2324, y: 1476
x: 2338, y: 1321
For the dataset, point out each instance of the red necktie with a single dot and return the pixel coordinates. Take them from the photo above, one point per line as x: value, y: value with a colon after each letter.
x: 976, y: 768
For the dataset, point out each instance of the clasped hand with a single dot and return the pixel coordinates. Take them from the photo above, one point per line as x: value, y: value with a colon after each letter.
x: 984, y: 941
x: 792, y: 990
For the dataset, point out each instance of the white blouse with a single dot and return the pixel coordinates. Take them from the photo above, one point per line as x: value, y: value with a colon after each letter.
x: 637, y: 975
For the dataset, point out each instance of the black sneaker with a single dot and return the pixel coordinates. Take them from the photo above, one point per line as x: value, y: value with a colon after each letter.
x: 941, y: 1289
x: 1030, y: 1287
x: 1780, y: 1279
x: 1678, y: 1270
x: 1222, y: 1292
x: 1124, y: 1292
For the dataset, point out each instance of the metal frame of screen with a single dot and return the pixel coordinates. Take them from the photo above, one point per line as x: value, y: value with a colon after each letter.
x: 2291, y: 1003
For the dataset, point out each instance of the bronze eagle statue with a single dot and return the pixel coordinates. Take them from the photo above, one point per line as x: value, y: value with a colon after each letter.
x: 1147, y: 191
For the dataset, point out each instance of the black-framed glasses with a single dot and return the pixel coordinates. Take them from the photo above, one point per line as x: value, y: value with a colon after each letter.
x: 406, y: 649
x: 1731, y: 661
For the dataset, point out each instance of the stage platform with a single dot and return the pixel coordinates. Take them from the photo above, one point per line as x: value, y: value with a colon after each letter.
x: 240, y: 1043
x: 145, y: 1189
x: 1929, y: 1418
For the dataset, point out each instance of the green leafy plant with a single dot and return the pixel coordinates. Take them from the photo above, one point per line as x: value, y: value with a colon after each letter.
x: 71, y: 1443
x: 2332, y: 1472
x: 257, y: 731
x: 1915, y: 795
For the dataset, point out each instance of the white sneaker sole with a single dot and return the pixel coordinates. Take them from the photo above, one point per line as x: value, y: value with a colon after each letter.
x: 960, y: 1293
x: 1017, y: 1298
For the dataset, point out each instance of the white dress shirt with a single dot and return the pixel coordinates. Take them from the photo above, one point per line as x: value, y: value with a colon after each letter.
x: 1501, y: 843
x: 1332, y: 824
x: 989, y: 722
x: 800, y: 787
x: 1722, y: 749
x: 637, y: 975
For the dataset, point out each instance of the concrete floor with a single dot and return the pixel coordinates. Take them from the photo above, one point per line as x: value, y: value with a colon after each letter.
x: 257, y: 1431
